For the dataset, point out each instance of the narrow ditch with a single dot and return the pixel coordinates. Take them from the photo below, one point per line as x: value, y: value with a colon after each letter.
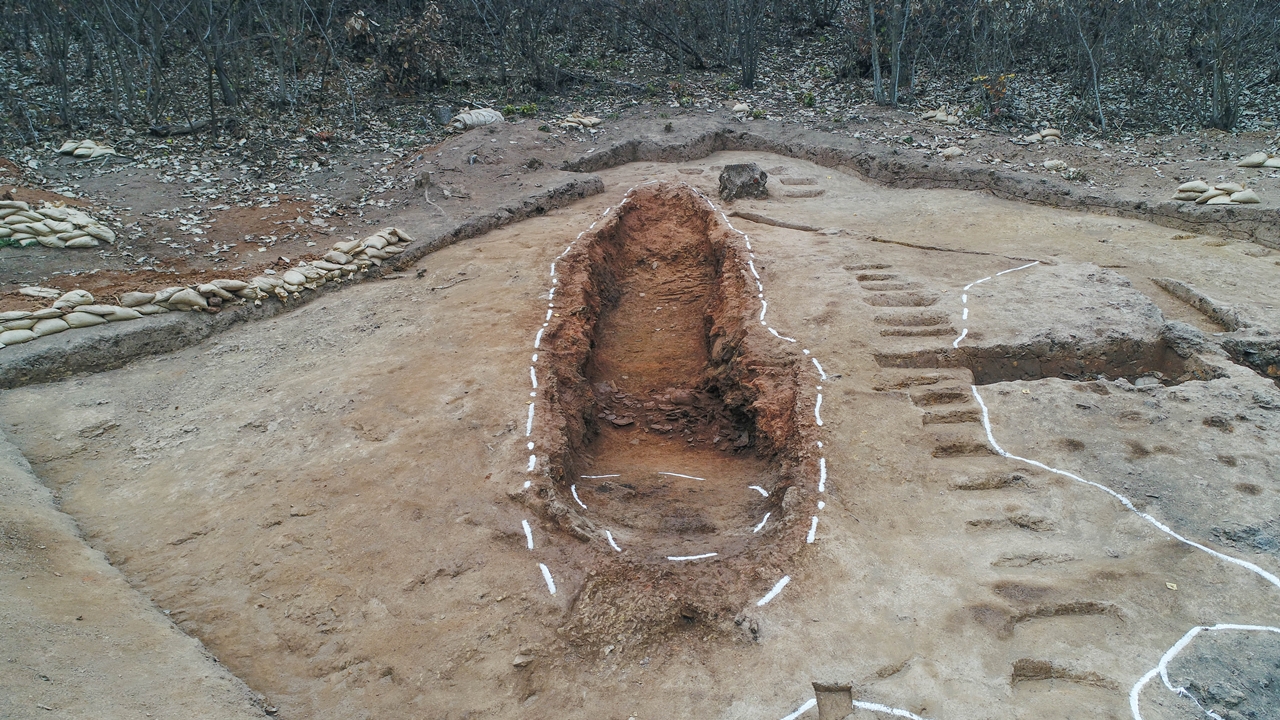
x: 1139, y: 361
x: 677, y: 423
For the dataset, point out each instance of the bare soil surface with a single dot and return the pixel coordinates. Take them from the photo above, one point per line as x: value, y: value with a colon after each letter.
x: 188, y: 213
x: 78, y: 640
x: 333, y: 501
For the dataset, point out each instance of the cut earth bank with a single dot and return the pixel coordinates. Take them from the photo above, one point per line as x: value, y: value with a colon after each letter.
x: 333, y: 500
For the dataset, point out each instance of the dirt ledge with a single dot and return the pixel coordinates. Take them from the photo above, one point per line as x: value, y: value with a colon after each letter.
x: 110, y: 346
x: 895, y: 168
x: 79, y: 641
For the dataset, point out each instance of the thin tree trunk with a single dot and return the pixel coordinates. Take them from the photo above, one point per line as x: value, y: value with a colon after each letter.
x: 877, y: 87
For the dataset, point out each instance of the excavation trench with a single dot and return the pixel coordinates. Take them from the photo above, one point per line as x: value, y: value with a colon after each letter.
x: 676, y: 422
x: 1137, y: 360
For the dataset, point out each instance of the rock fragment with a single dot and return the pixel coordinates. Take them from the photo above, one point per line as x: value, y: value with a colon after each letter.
x: 743, y: 180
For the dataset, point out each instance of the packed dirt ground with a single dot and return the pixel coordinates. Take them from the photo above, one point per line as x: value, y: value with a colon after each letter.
x: 189, y: 210
x: 369, y: 507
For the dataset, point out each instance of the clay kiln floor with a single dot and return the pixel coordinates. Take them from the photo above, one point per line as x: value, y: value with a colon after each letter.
x: 322, y: 498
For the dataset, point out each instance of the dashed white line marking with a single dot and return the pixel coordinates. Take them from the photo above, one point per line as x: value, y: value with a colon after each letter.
x: 546, y: 575
x: 813, y: 530
x: 774, y: 593
x: 821, y: 372
x: 777, y: 588
x: 763, y: 520
x: 1022, y: 267
x: 877, y: 707
x: 682, y: 558
x: 802, y: 709
x: 822, y: 473
x: 956, y: 343
x: 965, y: 315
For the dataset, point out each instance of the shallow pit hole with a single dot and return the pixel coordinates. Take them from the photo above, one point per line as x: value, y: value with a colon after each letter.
x: 900, y: 299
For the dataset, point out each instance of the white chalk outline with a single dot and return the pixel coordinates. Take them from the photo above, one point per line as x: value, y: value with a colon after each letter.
x: 1162, y: 667
x: 986, y: 424
x: 877, y: 707
x: 813, y: 530
x: 609, y: 536
x: 574, y: 489
x: 817, y: 407
x: 764, y: 520
x: 528, y: 533
x: 821, y: 373
x: 777, y: 588
x: 802, y: 709
x: 595, y: 477
x: 546, y: 575
x: 683, y: 558
x: 691, y: 477
x: 758, y: 489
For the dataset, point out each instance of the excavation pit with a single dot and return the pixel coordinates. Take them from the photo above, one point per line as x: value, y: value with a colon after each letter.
x: 678, y: 451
